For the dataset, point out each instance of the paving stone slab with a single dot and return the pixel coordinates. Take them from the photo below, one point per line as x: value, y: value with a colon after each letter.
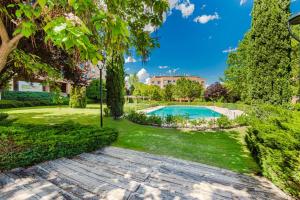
x: 120, y: 174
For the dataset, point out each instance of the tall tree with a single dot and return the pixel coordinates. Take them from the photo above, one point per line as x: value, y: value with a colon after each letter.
x: 296, y: 63
x: 237, y: 73
x: 115, y: 85
x: 270, y: 52
x: 186, y: 88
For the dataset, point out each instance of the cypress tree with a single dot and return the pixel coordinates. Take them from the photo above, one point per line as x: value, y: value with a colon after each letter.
x: 270, y: 53
x: 115, y: 85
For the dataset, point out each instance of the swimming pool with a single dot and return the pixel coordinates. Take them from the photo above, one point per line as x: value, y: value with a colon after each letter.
x: 192, y: 112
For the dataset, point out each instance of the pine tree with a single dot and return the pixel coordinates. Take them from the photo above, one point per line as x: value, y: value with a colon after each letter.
x: 115, y: 85
x: 270, y: 53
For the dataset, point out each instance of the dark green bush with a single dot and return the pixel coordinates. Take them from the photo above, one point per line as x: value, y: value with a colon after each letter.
x: 142, y: 118
x: 93, y: 91
x: 25, y: 145
x: 274, y: 140
x: 27, y: 96
x: 31, y: 96
x: 3, y: 116
x: 18, y: 104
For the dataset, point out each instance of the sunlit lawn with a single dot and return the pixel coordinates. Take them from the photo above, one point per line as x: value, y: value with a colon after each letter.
x: 222, y: 149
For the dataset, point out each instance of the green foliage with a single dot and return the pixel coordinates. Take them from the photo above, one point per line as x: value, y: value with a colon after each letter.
x: 115, y: 86
x: 78, y: 97
x: 18, y: 104
x: 153, y: 92
x: 242, y: 120
x: 168, y: 92
x: 260, y: 70
x: 142, y: 118
x: 3, y: 116
x: 34, y: 96
x: 186, y: 88
x: 274, y: 140
x: 93, y: 91
x: 106, y: 112
x: 295, y: 63
x: 224, y: 122
x: 25, y: 145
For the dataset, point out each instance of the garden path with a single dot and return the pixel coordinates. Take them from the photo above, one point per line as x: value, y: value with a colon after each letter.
x: 115, y: 173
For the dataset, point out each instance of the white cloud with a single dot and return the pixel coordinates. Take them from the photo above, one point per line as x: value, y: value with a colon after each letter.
x: 242, y: 2
x: 163, y: 67
x: 203, y: 19
x: 149, y: 28
x: 173, y: 3
x: 203, y: 6
x: 186, y: 9
x: 230, y: 49
x: 143, y: 75
x: 130, y: 60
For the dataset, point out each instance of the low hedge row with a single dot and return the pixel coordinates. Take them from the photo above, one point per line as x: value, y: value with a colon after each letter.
x: 27, y: 96
x: 274, y: 140
x: 25, y: 145
x: 18, y: 104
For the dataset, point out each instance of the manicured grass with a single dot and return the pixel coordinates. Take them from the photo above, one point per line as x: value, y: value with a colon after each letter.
x: 221, y: 149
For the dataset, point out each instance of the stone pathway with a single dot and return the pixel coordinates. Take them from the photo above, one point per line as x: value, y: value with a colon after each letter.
x: 115, y: 173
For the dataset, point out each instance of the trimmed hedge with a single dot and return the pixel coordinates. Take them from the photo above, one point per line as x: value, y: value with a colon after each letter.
x: 18, y: 104
x: 26, y: 145
x: 27, y: 96
x: 274, y: 140
x: 45, y: 98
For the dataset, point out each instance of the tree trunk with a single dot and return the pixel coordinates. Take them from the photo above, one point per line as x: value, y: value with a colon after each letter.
x: 8, y: 45
x: 5, y: 50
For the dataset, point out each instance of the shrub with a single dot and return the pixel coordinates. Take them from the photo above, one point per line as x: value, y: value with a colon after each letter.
x: 198, y: 122
x: 78, y: 97
x: 274, y: 140
x: 17, y: 104
x: 93, y: 91
x: 170, y: 119
x: 224, y: 122
x: 106, y: 112
x: 3, y: 116
x: 25, y: 145
x: 242, y: 120
x: 142, y: 118
x: 33, y: 96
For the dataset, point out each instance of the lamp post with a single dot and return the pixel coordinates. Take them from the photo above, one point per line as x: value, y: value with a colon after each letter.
x: 294, y: 20
x: 100, y: 67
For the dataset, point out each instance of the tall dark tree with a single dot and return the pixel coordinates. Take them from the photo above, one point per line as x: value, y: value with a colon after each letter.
x: 270, y: 52
x: 115, y: 85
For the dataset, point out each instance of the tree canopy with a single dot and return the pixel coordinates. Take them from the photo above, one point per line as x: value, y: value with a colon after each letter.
x: 260, y: 70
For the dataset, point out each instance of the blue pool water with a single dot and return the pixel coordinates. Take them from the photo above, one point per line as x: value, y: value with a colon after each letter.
x: 192, y: 112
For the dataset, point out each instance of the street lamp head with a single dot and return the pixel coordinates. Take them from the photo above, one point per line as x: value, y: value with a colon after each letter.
x: 293, y: 21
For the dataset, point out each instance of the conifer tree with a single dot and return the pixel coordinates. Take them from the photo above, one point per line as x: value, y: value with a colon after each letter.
x: 270, y: 52
x: 115, y: 85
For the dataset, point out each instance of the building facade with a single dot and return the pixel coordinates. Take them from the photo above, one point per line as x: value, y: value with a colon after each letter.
x: 162, y: 81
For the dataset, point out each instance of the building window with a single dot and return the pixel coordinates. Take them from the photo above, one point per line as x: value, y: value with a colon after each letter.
x: 158, y: 82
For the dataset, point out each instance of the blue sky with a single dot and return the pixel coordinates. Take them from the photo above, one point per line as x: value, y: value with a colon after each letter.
x: 196, y: 38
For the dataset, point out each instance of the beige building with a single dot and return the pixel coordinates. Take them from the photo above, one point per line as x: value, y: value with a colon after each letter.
x: 162, y: 81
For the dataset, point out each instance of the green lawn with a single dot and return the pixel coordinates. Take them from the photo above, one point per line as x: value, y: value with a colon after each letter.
x: 222, y: 149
